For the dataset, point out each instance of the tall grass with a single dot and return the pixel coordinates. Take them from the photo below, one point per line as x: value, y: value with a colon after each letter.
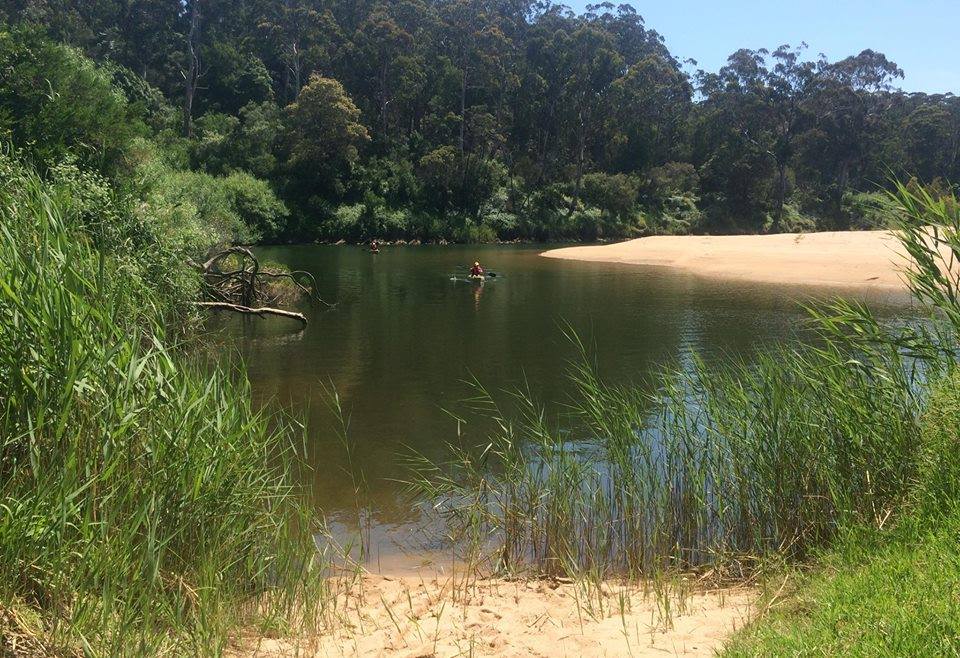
x: 716, y: 468
x: 146, y: 507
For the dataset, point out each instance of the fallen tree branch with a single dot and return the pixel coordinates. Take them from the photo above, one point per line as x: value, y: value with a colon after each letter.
x: 260, y: 312
x: 220, y: 256
x: 248, y: 289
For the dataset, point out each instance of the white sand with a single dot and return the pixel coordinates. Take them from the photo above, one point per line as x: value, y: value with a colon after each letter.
x: 411, y: 617
x: 853, y: 259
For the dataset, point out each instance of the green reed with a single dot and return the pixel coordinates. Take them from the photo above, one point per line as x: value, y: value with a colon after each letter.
x: 715, y: 468
x: 145, y: 507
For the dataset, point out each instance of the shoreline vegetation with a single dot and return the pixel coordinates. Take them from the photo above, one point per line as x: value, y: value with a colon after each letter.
x: 146, y: 506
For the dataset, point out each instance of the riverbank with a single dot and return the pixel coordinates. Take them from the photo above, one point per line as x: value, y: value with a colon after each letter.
x: 447, y: 616
x: 844, y: 259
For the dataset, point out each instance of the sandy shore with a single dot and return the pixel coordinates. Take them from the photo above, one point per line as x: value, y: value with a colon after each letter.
x: 850, y: 259
x: 419, y: 618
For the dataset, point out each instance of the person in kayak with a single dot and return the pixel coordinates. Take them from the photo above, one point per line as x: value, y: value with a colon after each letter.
x: 374, y: 247
x: 476, y: 270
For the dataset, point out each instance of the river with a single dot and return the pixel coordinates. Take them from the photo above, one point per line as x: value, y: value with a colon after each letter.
x: 408, y: 329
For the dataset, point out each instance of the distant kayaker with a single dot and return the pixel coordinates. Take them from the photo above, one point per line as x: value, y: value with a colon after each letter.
x: 476, y: 270
x: 374, y: 247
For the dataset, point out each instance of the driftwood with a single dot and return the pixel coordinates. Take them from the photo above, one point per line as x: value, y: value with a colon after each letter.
x: 250, y: 289
x: 261, y: 312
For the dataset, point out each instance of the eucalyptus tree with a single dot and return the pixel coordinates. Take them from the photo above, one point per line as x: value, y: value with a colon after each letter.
x: 296, y: 37
x: 931, y: 139
x: 852, y: 104
x: 324, y: 136
x: 472, y: 38
x: 590, y: 64
x: 386, y: 65
x: 498, y: 108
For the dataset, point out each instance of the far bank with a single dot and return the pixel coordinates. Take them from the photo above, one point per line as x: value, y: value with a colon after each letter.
x: 843, y: 259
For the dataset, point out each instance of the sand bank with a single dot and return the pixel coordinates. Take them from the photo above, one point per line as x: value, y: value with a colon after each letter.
x: 411, y: 617
x: 849, y: 259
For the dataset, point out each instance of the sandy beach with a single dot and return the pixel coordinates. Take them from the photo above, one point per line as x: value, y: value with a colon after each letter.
x: 847, y: 259
x: 442, y: 616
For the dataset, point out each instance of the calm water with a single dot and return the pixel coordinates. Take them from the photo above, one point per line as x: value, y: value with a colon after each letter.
x: 404, y: 336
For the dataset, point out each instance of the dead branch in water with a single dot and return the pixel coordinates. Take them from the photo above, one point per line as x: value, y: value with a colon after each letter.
x: 252, y: 290
x: 261, y: 312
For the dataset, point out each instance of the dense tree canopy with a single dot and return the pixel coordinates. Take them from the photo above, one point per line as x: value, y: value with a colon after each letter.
x: 474, y: 119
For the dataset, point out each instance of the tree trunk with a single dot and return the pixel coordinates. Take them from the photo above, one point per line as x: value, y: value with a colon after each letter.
x: 383, y: 100
x: 296, y: 69
x: 581, y: 157
x: 463, y: 108
x: 781, y: 194
x: 192, y: 74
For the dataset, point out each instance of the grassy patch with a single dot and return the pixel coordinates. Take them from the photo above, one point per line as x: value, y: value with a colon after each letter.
x: 875, y: 594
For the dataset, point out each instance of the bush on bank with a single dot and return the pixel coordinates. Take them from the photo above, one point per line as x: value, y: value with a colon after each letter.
x: 146, y: 507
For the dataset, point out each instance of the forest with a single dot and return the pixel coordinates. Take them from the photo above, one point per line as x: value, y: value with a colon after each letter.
x: 460, y: 120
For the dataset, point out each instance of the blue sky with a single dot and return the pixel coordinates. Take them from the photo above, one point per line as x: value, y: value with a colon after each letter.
x: 919, y: 35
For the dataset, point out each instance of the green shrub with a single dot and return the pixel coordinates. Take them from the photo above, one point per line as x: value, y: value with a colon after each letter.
x: 470, y: 232
x: 249, y: 142
x: 261, y: 214
x: 56, y: 104
x: 614, y: 194
x: 679, y: 216
x: 868, y: 210
x: 792, y: 221
x: 503, y: 224
x: 346, y: 220
x: 396, y: 224
x: 237, y: 208
x: 586, y: 224
x: 144, y: 99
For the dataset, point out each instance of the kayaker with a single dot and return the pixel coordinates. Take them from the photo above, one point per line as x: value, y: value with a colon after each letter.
x: 476, y: 270
x: 374, y: 247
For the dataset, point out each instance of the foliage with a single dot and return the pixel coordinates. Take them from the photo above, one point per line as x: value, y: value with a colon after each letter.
x: 791, y: 220
x: 147, y: 506
x: 235, y: 208
x: 615, y: 195
x: 256, y: 207
x: 145, y: 100
x: 56, y: 103
x: 867, y: 210
x: 450, y: 111
x: 219, y: 205
x: 323, y: 137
